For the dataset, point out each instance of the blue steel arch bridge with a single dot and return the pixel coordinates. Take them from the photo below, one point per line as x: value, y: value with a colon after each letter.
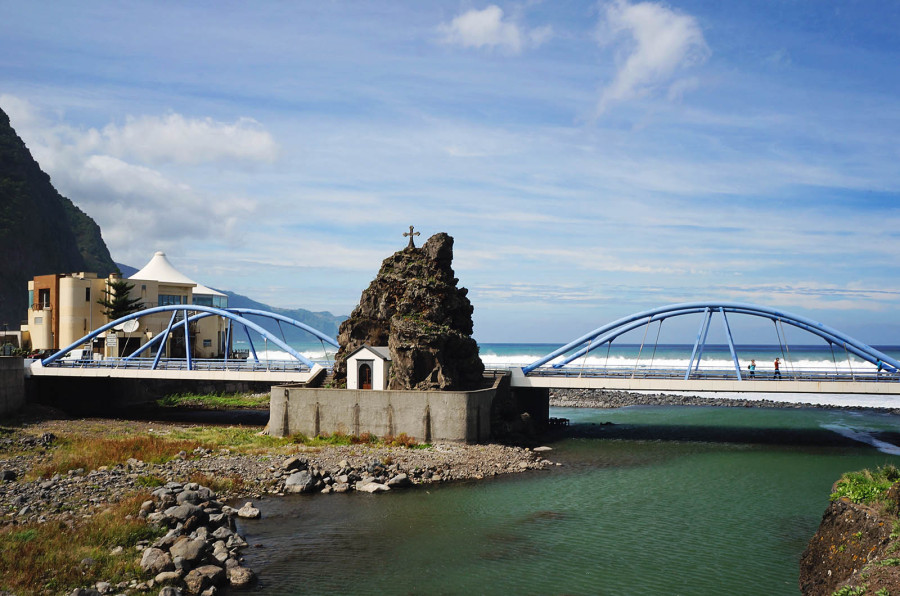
x: 560, y: 368
x: 147, y: 359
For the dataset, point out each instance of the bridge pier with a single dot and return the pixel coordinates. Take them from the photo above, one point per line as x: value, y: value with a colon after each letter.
x: 519, y: 413
x: 12, y: 385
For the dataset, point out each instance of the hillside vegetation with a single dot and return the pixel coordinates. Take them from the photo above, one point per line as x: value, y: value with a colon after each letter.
x: 41, y: 231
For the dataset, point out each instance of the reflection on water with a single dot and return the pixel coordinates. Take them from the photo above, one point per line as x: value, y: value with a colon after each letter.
x: 679, y: 514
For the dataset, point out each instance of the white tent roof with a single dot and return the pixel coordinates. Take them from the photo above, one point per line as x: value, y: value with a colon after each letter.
x: 160, y: 269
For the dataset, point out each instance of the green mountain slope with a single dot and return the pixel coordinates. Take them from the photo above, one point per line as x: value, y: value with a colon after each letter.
x: 41, y: 231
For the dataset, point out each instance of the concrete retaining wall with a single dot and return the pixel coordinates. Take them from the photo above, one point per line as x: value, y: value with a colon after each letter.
x: 427, y: 416
x: 12, y: 385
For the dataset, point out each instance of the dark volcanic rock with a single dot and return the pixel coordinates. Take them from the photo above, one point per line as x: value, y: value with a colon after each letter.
x: 413, y: 307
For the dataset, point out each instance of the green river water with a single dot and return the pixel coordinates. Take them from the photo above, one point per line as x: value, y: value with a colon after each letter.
x: 684, y: 500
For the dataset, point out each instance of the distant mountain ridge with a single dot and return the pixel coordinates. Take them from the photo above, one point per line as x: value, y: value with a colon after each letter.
x: 41, y: 231
x: 324, y: 321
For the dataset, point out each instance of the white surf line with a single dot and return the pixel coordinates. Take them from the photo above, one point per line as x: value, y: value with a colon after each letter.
x: 863, y: 437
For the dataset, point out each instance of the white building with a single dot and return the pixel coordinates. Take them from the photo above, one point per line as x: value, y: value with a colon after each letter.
x: 369, y: 368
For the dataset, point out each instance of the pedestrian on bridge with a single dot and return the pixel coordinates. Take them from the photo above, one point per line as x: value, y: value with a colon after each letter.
x: 752, y: 369
x: 777, y: 372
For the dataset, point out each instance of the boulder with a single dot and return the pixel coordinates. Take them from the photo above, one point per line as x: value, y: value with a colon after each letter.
x: 188, y: 496
x: 170, y: 591
x: 294, y: 463
x: 240, y: 577
x: 399, y: 481
x: 189, y: 549
x: 184, y: 511
x: 204, y: 577
x: 371, y: 487
x: 166, y: 577
x: 155, y: 560
x: 300, y: 482
x: 248, y: 511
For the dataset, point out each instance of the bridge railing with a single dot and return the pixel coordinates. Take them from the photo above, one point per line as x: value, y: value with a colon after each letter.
x: 181, y: 364
x: 612, y: 372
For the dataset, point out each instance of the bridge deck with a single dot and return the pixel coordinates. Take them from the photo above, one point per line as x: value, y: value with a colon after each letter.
x: 843, y: 384
x: 274, y: 372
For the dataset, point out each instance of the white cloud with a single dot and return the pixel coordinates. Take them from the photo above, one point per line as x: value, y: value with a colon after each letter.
x: 138, y: 207
x: 657, y: 41
x: 174, y: 138
x: 488, y: 29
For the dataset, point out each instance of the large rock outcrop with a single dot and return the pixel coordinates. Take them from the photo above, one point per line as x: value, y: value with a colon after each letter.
x: 41, y: 231
x: 413, y: 307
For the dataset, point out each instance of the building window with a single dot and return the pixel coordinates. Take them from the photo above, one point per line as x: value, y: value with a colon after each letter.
x: 207, y: 343
x: 203, y: 300
x: 87, y: 294
x: 207, y: 300
x: 44, y: 298
x: 39, y: 320
x: 169, y: 299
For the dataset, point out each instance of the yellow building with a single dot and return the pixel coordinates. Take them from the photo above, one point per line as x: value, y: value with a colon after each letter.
x: 64, y: 308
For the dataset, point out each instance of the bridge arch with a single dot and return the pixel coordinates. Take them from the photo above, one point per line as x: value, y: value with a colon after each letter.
x: 232, y: 315
x: 606, y: 334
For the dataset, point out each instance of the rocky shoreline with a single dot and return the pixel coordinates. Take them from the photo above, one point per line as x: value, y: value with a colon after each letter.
x: 79, y: 494
x: 605, y: 398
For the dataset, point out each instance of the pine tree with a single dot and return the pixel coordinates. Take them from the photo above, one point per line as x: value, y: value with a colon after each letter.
x: 116, y: 303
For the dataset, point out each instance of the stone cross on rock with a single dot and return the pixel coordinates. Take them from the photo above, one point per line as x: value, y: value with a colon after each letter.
x: 410, y: 233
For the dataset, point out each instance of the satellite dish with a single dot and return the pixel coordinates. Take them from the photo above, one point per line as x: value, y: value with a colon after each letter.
x: 130, y: 326
x: 120, y: 326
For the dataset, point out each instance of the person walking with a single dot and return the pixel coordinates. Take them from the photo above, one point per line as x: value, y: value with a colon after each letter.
x: 752, y: 368
x: 777, y: 374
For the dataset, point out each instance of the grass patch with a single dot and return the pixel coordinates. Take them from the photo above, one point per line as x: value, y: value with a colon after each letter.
x: 866, y: 486
x: 219, y: 484
x: 92, y: 453
x: 42, y: 558
x: 214, y: 401
x: 338, y: 438
x: 241, y: 438
x: 149, y: 481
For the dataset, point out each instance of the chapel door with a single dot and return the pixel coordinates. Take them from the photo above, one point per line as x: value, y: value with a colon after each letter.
x: 365, y: 376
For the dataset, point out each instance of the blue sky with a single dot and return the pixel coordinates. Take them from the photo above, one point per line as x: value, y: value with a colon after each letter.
x: 591, y: 159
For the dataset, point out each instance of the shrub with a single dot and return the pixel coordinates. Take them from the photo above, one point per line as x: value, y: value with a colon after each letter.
x: 866, y: 486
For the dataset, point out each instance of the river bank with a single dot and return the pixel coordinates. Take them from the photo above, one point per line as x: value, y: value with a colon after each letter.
x: 47, y: 484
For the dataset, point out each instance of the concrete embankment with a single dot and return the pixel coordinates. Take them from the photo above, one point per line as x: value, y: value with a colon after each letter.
x: 12, y: 385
